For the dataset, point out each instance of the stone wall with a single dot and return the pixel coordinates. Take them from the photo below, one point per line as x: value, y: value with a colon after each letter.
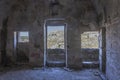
x: 56, y: 55
x: 30, y: 15
x: 113, y: 51
x: 90, y: 54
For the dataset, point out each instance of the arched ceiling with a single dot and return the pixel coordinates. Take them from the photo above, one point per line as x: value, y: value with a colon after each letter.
x: 87, y: 12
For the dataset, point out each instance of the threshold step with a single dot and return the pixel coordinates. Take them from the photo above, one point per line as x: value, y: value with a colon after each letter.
x: 55, y: 63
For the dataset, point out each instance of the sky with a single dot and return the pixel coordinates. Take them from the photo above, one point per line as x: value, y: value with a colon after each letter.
x: 24, y: 33
x: 55, y: 28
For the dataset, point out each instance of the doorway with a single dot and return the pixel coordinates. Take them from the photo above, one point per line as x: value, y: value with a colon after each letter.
x: 90, y: 49
x: 55, y: 53
x: 21, y: 46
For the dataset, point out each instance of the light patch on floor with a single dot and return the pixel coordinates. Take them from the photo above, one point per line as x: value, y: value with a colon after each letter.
x: 51, y: 74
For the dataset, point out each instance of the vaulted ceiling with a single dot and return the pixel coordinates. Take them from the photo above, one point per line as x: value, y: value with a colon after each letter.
x: 93, y: 12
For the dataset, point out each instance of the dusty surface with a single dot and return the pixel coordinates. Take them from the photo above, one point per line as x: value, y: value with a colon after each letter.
x: 50, y: 74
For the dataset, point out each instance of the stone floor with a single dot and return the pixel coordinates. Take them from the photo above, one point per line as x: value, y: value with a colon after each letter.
x: 51, y: 74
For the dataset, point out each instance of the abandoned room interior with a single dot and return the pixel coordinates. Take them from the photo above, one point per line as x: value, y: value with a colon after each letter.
x: 59, y: 40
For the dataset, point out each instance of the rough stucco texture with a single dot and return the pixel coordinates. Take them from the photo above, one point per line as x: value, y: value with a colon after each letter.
x: 113, y: 52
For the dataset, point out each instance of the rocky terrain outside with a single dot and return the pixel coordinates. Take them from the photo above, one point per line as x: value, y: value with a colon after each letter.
x: 55, y: 39
x: 90, y: 40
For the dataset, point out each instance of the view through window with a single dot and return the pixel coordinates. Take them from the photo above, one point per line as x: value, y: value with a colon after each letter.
x: 90, y: 39
x: 23, y: 37
x: 55, y: 37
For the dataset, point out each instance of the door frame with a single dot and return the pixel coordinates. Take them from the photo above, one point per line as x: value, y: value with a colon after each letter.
x: 102, y: 49
x: 55, y: 22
